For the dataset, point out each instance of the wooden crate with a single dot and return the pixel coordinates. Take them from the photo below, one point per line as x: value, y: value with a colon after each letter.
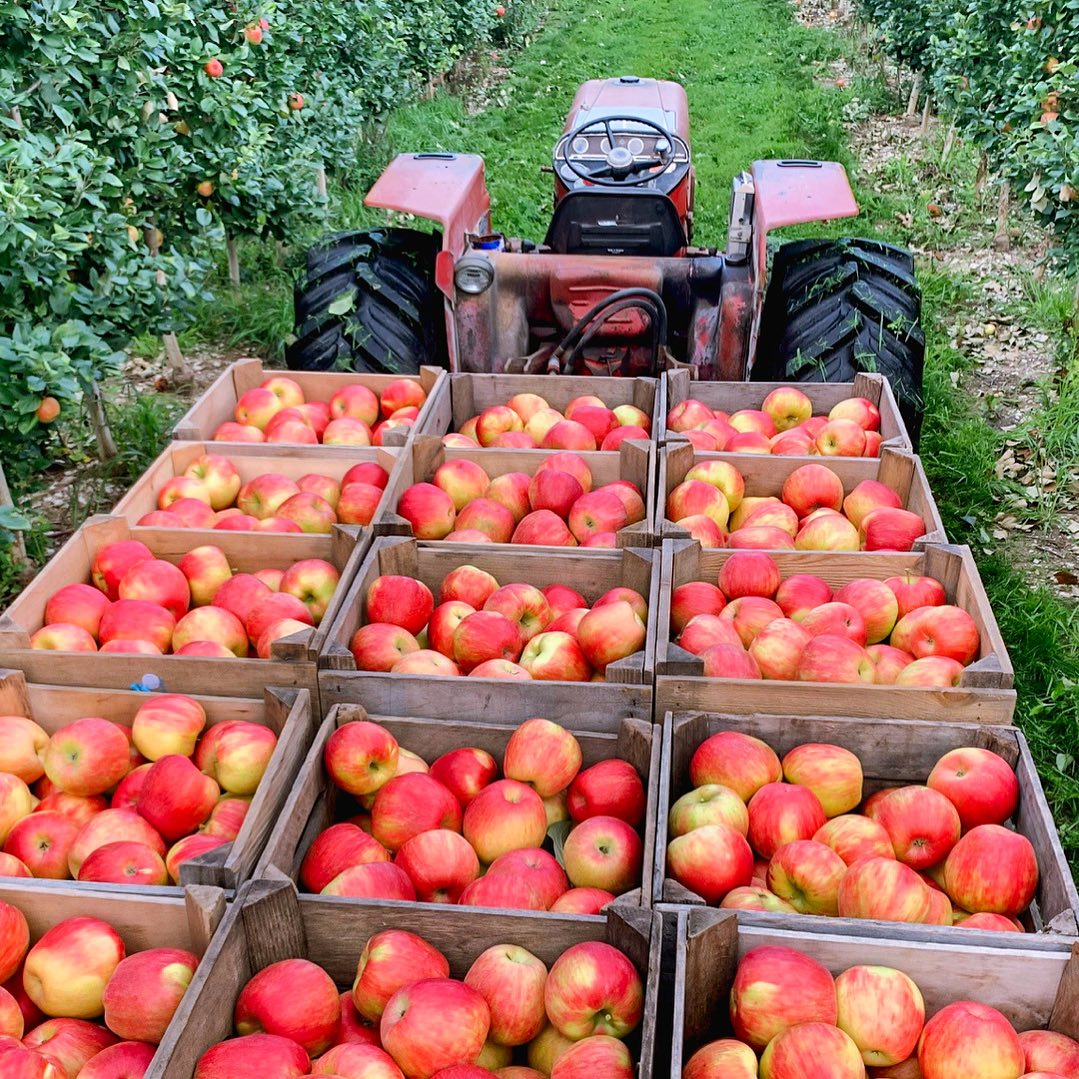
x: 732, y: 396
x: 462, y: 396
x: 1033, y: 989
x: 294, y: 659
x: 271, y: 923
x: 287, y: 712
x: 311, y: 806
x: 764, y: 476
x: 218, y: 402
x: 635, y: 462
x: 601, y: 571
x: 187, y: 921
x: 893, y: 753
x: 985, y: 696
x: 250, y: 461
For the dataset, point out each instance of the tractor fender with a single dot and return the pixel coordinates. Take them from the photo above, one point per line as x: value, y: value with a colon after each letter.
x: 449, y: 189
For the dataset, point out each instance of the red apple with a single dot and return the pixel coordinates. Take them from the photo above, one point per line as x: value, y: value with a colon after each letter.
x: 113, y: 826
x: 969, y: 1037
x: 582, y: 901
x: 992, y: 869
x: 542, y: 754
x: 355, y: 401
x: 1048, y: 1051
x: 775, y: 989
x: 882, y: 1011
x: 377, y: 646
x: 812, y: 1051
x: 853, y: 837
x: 710, y: 860
x: 692, y: 599
x: 979, y: 783
x: 608, y: 788
x: 504, y: 816
x: 145, y: 991
x: 603, y: 852
x: 749, y: 574
x: 511, y: 980
x: 409, y: 804
x: 780, y: 813
x: 885, y: 890
x: 807, y: 875
x: 124, y: 1060
x: 921, y: 823
x: 77, y: 604
x: 42, y: 842
x: 722, y: 1059
x: 66, y: 971
x: 538, y: 869
x: 358, y: 503
x: 735, y: 760
x: 465, y: 772
x: 831, y: 658
x: 293, y: 998
x: 592, y: 988
x: 176, y: 797
x: 240, y: 593
x: 336, y: 849
x: 778, y: 648
x: 87, y: 757
x: 832, y: 773
x: 946, y: 630
x: 468, y: 584
x: 401, y: 601
x: 257, y: 1056
x: 912, y: 591
x: 433, y: 1023
x: 391, y: 959
x: 511, y: 490
x: 812, y: 487
x: 440, y: 864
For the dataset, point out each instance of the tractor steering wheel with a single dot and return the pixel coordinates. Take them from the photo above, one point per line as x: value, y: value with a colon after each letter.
x: 621, y: 169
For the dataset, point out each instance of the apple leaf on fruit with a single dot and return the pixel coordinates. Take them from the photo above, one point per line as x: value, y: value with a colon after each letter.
x: 558, y: 833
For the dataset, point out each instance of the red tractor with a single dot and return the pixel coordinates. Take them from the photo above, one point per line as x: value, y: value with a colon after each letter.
x: 617, y: 285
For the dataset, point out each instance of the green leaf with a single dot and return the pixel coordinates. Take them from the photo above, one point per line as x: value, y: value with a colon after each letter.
x: 343, y: 304
x: 558, y: 833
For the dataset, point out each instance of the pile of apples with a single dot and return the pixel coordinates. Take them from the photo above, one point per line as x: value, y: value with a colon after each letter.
x: 407, y: 1018
x: 455, y: 832
x: 75, y: 1004
x: 557, y: 507
x: 487, y: 630
x: 210, y: 494
x: 784, y: 425
x: 276, y: 411
x: 111, y: 804
x: 527, y: 422
x: 805, y: 1024
x: 196, y: 607
x: 754, y: 624
x: 757, y: 833
x: 812, y: 513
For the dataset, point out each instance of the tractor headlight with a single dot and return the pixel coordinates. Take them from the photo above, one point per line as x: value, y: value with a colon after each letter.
x: 473, y: 274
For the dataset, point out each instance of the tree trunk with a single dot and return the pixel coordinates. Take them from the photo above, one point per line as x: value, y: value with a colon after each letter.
x: 910, y: 116
x: 181, y: 371
x: 320, y: 181
x: 949, y: 142
x: 982, y: 174
x: 1075, y: 306
x: 18, y: 544
x: 1002, y: 241
x: 234, y: 261
x: 106, y: 446
x: 924, y: 132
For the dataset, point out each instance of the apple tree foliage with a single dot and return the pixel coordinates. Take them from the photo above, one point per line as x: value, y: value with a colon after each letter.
x: 1009, y: 75
x: 126, y: 158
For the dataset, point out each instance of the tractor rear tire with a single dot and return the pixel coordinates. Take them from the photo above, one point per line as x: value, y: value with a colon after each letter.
x: 369, y: 304
x: 838, y: 307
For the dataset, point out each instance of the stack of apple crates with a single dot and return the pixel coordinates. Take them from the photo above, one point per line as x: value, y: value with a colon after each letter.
x: 653, y: 711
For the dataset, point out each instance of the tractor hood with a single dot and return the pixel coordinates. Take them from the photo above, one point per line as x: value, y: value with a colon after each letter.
x: 663, y: 103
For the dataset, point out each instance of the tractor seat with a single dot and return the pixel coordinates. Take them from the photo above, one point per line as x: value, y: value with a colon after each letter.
x: 601, y: 221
